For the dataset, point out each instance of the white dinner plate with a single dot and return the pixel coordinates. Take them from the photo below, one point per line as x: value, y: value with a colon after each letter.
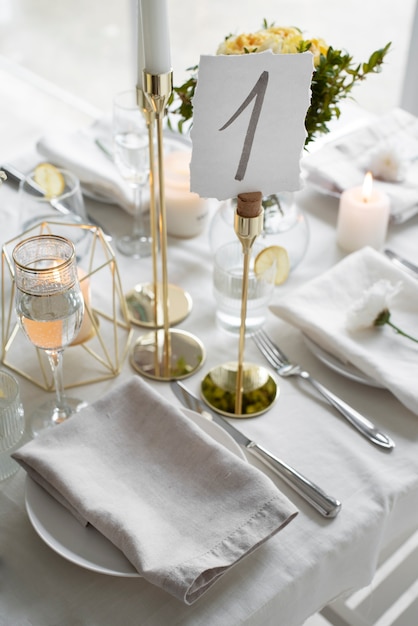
x: 326, y: 190
x: 334, y: 363
x: 84, y: 545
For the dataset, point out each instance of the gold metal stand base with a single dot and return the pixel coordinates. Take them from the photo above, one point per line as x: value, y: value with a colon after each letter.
x: 186, y: 355
x: 260, y: 390
x: 140, y: 303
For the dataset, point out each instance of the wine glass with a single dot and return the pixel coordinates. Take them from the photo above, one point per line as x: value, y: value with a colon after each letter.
x: 49, y: 306
x: 131, y: 155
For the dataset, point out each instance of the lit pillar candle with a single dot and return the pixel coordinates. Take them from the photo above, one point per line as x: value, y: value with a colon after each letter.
x: 363, y: 217
x: 155, y: 35
x: 187, y: 212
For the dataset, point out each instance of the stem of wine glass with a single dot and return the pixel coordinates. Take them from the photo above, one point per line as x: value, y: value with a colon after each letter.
x: 138, y: 225
x: 62, y: 410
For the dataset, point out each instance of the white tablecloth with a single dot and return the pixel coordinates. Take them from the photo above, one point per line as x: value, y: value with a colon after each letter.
x: 312, y: 561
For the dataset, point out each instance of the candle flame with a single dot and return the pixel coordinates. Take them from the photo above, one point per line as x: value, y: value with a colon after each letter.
x: 367, y: 187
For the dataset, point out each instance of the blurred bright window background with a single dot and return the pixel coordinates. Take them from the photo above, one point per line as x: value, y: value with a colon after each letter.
x: 86, y: 46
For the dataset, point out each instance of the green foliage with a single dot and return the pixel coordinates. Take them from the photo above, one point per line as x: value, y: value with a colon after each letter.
x: 180, y: 101
x: 333, y: 80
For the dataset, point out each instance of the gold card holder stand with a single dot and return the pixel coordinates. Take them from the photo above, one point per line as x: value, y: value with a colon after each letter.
x: 102, y: 345
x: 164, y: 353
x: 242, y: 389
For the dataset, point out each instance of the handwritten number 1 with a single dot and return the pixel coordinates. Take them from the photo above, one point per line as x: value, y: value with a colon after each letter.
x: 257, y: 92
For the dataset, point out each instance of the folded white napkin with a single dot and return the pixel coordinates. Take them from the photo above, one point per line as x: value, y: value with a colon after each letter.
x: 80, y: 153
x: 181, y: 507
x: 88, y: 153
x: 387, y: 146
x: 320, y: 308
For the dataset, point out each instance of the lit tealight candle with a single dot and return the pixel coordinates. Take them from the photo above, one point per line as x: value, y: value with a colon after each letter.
x: 187, y: 212
x: 363, y: 217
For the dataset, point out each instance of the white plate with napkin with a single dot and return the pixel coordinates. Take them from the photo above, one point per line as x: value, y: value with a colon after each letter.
x: 84, y: 545
x: 320, y: 309
x: 88, y: 153
x: 386, y: 146
x: 181, y: 507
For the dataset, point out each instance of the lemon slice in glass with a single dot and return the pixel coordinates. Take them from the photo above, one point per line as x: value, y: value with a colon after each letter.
x: 49, y: 179
x: 265, y: 259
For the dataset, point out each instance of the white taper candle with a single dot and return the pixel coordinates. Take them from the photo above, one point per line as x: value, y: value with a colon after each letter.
x: 156, y: 36
x: 140, y: 47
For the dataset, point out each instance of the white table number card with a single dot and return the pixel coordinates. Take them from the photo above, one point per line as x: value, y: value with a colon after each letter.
x: 249, y: 123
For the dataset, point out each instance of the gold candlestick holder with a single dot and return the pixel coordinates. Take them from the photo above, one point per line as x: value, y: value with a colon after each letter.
x: 240, y: 389
x: 164, y: 353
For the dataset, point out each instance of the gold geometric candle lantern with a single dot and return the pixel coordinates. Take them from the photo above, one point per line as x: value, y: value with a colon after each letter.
x: 102, y: 345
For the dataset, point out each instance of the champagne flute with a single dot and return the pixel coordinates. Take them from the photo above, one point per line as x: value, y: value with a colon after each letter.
x: 49, y: 306
x: 131, y: 155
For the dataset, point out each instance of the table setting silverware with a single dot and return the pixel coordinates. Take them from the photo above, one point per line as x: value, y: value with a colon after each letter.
x: 325, y: 504
x: 285, y: 368
x: 17, y: 176
x: 401, y: 263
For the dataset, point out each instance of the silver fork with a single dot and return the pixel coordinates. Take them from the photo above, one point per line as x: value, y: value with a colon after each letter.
x: 279, y: 361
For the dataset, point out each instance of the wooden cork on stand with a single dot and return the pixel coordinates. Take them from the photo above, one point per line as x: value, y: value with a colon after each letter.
x: 249, y: 204
x: 248, y: 222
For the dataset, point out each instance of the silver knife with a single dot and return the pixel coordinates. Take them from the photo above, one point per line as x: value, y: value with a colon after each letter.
x: 325, y: 504
x: 402, y: 263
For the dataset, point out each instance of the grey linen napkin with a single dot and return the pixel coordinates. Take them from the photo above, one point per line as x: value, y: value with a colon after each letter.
x: 181, y: 507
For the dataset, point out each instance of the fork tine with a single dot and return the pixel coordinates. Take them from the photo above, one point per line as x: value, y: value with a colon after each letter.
x: 274, y: 347
x: 268, y: 349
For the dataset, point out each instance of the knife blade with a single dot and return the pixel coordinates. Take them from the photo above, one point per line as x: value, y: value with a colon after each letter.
x: 326, y: 505
x: 402, y: 263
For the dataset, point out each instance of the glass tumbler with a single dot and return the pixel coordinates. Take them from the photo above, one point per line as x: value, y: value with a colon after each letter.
x: 65, y: 210
x: 12, y: 423
x: 36, y: 206
x: 227, y: 288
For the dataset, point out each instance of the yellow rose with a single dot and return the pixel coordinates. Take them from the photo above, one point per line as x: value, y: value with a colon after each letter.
x: 318, y: 47
x: 285, y: 32
x: 244, y: 43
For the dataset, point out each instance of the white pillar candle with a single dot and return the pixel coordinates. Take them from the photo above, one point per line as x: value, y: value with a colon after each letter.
x: 155, y: 33
x: 87, y: 329
x: 187, y: 212
x: 363, y: 217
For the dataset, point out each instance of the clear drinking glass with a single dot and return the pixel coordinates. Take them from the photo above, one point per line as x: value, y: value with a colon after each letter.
x: 35, y: 206
x: 131, y: 155
x: 12, y: 423
x: 66, y: 208
x: 49, y: 305
x: 227, y: 288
